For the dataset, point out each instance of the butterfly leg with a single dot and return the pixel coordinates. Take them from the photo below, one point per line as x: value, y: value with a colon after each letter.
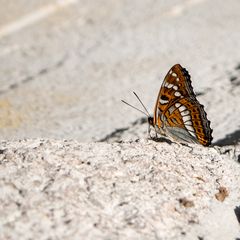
x: 191, y: 148
x: 149, y: 132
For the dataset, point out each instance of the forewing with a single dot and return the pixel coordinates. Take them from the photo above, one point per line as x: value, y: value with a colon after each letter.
x: 176, y: 83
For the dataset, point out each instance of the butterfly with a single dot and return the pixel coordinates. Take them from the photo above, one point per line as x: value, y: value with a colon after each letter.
x: 178, y: 115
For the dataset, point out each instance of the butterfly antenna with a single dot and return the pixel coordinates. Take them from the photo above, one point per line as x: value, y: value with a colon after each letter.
x: 145, y: 113
x: 135, y: 108
x: 141, y: 103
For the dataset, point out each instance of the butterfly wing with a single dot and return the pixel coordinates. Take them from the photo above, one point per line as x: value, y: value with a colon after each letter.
x: 178, y: 111
x: 176, y: 83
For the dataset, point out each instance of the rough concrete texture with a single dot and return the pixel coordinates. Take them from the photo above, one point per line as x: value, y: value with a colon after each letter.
x: 65, y: 66
x: 139, y: 190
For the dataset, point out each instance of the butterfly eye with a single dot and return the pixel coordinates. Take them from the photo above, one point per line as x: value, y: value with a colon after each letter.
x: 150, y: 121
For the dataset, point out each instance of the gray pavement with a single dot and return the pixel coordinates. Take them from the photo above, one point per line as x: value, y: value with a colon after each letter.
x: 65, y: 65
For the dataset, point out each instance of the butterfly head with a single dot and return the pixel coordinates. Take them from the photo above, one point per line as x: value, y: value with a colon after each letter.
x: 152, y: 131
x: 150, y: 121
x: 146, y: 113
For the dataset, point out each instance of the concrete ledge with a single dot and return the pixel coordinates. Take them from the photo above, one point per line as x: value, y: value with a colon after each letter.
x: 135, y: 190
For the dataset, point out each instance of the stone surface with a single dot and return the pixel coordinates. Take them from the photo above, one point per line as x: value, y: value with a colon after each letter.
x: 139, y: 190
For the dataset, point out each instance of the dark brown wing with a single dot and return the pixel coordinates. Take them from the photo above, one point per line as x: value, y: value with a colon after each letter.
x: 179, y: 78
x: 177, y: 104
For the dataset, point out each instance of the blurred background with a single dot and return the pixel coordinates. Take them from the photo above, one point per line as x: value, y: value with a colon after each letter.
x: 65, y: 65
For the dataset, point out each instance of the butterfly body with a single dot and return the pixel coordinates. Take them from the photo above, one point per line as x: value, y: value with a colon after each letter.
x: 177, y: 113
